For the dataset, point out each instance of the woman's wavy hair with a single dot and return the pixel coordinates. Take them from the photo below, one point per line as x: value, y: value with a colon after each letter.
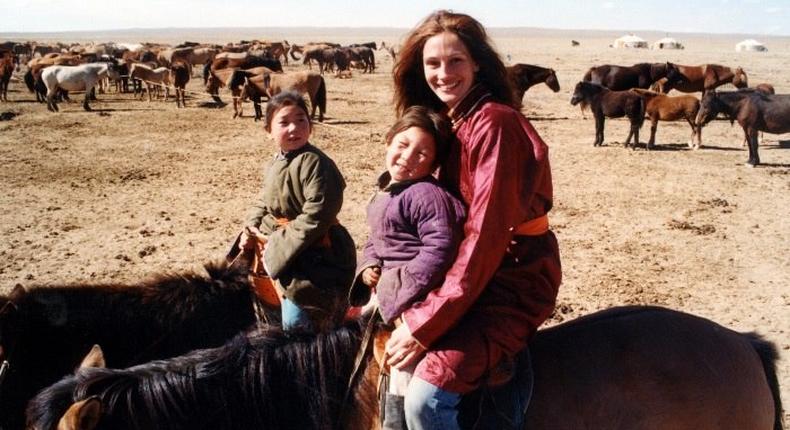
x: 410, y: 85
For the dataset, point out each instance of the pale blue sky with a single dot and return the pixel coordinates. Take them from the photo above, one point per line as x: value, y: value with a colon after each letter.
x: 761, y: 17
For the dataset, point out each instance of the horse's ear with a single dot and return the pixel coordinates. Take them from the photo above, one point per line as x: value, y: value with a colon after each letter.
x: 17, y: 293
x: 94, y: 358
x: 83, y: 415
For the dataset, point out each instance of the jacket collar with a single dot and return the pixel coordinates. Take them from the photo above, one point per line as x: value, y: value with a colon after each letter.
x: 476, y: 96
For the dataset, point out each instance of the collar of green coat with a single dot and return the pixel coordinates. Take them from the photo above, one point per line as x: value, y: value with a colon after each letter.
x: 290, y: 155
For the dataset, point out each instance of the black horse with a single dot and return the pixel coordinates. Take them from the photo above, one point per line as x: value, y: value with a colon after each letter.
x: 754, y: 110
x: 611, y: 104
x: 45, y: 331
x: 524, y: 76
x: 635, y: 368
x: 619, y: 78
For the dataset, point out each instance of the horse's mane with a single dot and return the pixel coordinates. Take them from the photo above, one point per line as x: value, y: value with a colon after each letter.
x: 267, y: 379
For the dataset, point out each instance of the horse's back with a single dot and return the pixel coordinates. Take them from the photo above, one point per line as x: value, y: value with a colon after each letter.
x: 648, y: 368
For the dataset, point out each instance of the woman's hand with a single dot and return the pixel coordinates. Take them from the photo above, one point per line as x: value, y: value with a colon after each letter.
x: 371, y: 275
x: 402, y: 349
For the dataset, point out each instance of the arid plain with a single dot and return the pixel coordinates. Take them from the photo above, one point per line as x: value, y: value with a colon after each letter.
x: 136, y: 188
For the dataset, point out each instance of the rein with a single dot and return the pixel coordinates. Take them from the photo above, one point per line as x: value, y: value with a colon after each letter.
x: 367, y: 341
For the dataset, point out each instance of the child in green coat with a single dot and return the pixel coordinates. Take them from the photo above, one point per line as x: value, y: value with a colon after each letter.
x: 307, y: 252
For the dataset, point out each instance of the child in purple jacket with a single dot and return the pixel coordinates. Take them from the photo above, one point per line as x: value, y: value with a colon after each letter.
x: 415, y: 224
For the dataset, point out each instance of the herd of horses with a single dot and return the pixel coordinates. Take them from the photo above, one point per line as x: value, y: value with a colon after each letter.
x: 186, y: 352
x: 639, y: 91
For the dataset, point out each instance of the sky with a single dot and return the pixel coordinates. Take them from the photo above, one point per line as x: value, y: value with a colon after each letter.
x: 760, y: 17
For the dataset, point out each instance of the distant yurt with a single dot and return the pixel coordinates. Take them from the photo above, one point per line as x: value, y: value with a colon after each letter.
x: 630, y: 41
x: 750, y: 45
x: 667, y: 43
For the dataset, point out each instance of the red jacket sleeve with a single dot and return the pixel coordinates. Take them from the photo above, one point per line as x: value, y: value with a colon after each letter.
x: 502, y: 169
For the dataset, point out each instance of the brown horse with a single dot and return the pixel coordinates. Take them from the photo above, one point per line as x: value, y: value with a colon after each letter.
x: 179, y: 76
x: 636, y: 368
x: 619, y: 78
x: 525, y: 76
x: 691, y: 79
x: 753, y: 110
x: 7, y: 66
x: 660, y: 107
x: 606, y: 103
x: 270, y: 84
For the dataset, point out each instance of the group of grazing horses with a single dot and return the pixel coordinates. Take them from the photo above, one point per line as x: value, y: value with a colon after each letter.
x: 631, y: 367
x: 335, y: 58
x: 613, y: 91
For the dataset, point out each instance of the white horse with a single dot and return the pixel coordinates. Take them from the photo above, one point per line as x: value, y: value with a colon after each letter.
x: 76, y: 78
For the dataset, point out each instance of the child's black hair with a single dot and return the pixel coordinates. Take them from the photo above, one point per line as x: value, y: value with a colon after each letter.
x: 432, y: 122
x: 281, y: 100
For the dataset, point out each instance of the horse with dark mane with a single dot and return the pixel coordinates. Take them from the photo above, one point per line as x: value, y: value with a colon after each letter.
x: 619, y: 78
x: 754, y: 110
x: 633, y: 368
x: 691, y: 79
x: 606, y: 103
x: 45, y: 331
x: 257, y: 86
x: 525, y: 76
x: 179, y: 76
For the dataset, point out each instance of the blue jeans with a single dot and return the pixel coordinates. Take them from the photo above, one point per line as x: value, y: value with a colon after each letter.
x: 428, y: 407
x: 294, y: 316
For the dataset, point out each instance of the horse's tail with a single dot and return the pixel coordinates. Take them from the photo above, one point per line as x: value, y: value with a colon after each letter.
x: 320, y: 98
x: 768, y: 355
x: 642, y: 108
x: 29, y: 81
x: 237, y: 79
x: 206, y: 71
x: 293, y: 52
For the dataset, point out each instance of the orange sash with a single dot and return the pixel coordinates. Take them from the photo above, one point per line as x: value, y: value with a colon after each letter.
x: 533, y: 227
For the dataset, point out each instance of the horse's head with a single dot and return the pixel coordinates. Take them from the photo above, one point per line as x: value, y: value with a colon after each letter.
x: 740, y: 80
x: 709, y: 107
x: 583, y: 91
x: 112, y: 72
x: 673, y: 76
x: 552, y: 81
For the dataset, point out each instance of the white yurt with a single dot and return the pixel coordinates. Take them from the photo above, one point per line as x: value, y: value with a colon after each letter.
x: 750, y: 45
x: 630, y: 41
x: 667, y: 43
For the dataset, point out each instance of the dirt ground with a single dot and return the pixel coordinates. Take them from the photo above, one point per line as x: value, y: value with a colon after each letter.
x: 138, y: 188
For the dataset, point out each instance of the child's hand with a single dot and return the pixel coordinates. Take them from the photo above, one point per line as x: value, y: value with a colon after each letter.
x: 371, y: 275
x: 250, y: 236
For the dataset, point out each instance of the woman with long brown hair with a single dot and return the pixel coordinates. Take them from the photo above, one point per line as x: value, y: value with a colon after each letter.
x: 504, y: 281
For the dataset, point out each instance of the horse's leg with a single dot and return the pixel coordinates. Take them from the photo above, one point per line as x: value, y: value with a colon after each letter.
x: 693, y: 133
x: 51, y: 106
x: 754, y: 157
x: 653, y: 128
x: 148, y: 88
x: 599, y: 119
x: 87, y: 99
